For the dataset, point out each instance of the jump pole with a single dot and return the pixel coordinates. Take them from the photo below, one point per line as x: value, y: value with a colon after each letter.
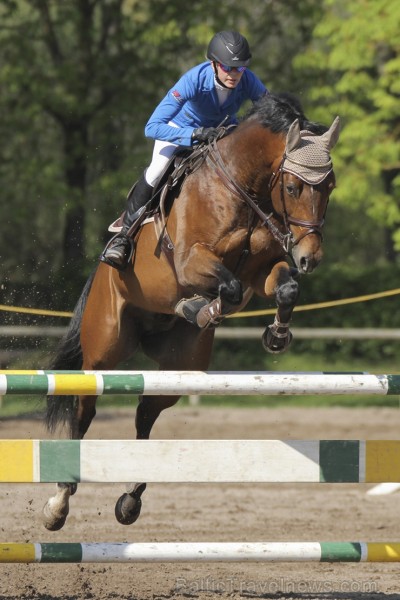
x: 204, y: 552
x: 200, y: 461
x: 196, y: 382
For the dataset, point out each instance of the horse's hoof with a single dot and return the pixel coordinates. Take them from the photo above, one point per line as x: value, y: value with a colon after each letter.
x: 276, y: 345
x: 51, y: 521
x: 127, y: 509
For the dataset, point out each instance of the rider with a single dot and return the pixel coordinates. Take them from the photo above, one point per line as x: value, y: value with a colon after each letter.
x: 206, y: 95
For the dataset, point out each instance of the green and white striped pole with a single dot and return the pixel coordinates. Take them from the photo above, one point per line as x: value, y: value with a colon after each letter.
x: 205, y: 552
x: 196, y: 382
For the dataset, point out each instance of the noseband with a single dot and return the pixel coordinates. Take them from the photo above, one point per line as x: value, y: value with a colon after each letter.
x: 286, y: 240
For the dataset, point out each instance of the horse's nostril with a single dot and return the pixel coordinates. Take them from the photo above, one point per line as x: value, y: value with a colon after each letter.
x: 303, y: 263
x: 307, y: 265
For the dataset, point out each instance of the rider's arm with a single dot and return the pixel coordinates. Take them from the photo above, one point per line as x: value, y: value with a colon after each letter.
x: 157, y: 126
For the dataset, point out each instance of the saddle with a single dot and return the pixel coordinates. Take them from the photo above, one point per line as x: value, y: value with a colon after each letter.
x: 180, y: 165
x: 197, y: 310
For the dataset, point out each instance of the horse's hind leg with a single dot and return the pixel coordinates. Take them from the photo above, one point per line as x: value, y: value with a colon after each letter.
x: 128, y: 506
x: 185, y: 347
x: 56, y: 509
x: 89, y: 346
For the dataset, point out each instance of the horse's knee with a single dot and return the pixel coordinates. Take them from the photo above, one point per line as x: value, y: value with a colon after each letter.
x: 231, y: 291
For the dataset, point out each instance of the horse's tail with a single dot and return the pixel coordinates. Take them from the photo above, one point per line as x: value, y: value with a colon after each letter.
x: 60, y: 409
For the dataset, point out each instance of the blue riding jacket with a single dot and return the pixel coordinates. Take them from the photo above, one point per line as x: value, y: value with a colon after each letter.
x: 193, y: 102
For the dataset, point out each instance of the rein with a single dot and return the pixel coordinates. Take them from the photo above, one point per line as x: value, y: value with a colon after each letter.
x: 286, y: 240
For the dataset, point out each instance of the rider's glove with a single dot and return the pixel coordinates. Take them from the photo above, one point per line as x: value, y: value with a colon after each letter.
x: 204, y: 134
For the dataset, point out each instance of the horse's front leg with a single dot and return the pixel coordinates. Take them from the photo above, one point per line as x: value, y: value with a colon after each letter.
x: 282, y: 284
x: 217, y: 291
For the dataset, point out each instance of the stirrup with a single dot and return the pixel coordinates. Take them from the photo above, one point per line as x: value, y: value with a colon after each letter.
x: 103, y: 258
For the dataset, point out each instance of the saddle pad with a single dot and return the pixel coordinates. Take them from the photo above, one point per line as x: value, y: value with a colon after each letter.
x: 116, y: 226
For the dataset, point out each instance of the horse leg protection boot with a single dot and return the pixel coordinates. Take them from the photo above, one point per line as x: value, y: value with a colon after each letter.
x: 119, y: 250
x: 199, y: 311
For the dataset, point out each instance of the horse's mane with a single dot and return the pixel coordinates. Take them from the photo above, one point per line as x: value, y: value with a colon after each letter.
x: 278, y: 111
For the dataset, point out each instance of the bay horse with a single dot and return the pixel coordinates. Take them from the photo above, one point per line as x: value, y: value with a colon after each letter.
x: 257, y: 201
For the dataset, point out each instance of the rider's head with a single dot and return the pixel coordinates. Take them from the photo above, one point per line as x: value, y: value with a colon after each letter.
x: 229, y: 54
x: 229, y: 48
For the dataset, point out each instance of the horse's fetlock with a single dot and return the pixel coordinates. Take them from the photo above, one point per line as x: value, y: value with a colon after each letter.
x: 210, y: 314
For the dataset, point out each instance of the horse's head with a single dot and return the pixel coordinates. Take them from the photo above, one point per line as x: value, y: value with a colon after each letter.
x: 300, y: 191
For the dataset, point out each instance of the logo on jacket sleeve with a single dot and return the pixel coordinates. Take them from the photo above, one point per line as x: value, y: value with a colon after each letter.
x: 177, y: 95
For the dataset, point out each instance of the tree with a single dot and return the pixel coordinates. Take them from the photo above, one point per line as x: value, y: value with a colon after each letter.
x: 354, y: 66
x: 78, y: 80
x: 60, y: 58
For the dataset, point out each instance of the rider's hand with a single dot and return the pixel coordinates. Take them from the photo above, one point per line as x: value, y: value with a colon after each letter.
x: 204, y: 134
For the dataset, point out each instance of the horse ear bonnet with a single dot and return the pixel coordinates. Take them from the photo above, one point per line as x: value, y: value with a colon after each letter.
x: 307, y: 155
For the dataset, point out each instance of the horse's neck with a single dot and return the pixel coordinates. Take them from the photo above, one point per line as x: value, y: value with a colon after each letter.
x: 251, y: 155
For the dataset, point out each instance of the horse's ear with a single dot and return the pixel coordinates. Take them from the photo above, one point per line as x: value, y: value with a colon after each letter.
x: 293, y: 137
x: 331, y: 137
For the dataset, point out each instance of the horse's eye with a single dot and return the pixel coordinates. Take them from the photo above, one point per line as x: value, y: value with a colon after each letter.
x: 331, y: 187
x: 291, y: 189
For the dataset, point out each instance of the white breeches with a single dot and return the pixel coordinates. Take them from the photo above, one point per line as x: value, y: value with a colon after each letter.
x: 162, y: 152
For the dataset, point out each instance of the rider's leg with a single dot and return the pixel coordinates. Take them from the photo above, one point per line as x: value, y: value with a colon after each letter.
x: 162, y: 153
x: 117, y: 253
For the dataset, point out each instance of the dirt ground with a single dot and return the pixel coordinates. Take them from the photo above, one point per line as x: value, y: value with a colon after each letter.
x: 277, y: 512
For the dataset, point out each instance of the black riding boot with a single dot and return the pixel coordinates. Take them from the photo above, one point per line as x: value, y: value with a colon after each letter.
x: 118, y: 251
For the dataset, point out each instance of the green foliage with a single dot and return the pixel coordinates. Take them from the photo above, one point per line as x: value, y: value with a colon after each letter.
x: 355, y: 65
x: 78, y: 81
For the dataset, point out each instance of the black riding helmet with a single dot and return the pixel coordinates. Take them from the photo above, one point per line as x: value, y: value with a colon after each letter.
x: 229, y: 48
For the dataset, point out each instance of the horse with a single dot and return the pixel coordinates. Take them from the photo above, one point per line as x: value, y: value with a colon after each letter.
x: 256, y: 202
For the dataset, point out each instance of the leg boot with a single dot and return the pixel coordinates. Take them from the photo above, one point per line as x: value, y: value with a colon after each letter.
x: 119, y: 250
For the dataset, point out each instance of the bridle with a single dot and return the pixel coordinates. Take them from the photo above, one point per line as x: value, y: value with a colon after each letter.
x: 286, y: 240
x: 310, y: 226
